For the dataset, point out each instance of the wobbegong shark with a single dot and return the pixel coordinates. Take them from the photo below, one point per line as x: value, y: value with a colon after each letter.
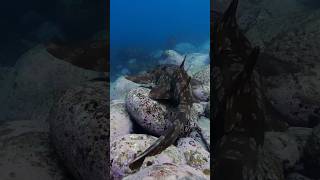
x: 171, y: 84
x: 240, y: 117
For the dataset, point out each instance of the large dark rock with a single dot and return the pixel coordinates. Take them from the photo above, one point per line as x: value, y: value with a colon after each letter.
x: 29, y: 89
x: 293, y: 83
x: 79, y: 128
x: 26, y: 152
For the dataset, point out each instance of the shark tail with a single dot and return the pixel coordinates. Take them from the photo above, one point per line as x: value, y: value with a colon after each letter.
x: 161, y: 144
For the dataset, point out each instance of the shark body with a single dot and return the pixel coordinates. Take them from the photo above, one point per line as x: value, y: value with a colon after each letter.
x: 171, y: 84
x: 240, y: 114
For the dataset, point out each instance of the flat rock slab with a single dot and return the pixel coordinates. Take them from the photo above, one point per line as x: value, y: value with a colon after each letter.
x: 168, y: 171
x: 26, y: 154
x: 79, y: 127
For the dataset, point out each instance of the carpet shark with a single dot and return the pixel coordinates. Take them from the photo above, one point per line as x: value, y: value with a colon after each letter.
x: 170, y: 84
x: 240, y: 113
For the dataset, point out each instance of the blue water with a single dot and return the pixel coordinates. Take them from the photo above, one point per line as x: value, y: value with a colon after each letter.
x: 147, y: 25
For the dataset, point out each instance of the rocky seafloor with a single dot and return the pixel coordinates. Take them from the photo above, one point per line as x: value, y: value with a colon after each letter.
x: 28, y: 92
x: 136, y: 121
x: 287, y: 31
x: 55, y: 119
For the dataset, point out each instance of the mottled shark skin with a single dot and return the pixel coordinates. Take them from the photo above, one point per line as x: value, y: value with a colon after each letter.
x: 239, y: 108
x: 172, y: 84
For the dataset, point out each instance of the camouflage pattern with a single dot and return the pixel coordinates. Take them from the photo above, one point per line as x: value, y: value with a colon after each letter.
x: 172, y: 85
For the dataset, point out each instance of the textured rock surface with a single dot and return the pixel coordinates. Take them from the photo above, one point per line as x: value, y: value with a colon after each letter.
x: 25, y: 148
x: 120, y: 88
x: 195, y: 62
x: 197, y: 110
x: 301, y: 135
x: 263, y: 20
x: 294, y: 89
x: 296, y: 97
x: 35, y: 83
x: 202, y: 92
x: 203, y: 75
x: 197, y: 137
x: 204, y: 124
x: 283, y: 146
x: 120, y: 122
x: 171, y: 57
x: 124, y: 149
x: 170, y: 155
x: 168, y: 171
x: 269, y: 167
x: 196, y: 156
x: 79, y: 128
x: 299, y: 44
x: 148, y: 113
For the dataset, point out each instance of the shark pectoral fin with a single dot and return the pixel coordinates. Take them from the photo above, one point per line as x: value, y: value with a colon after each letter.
x: 140, y: 79
x: 137, y: 162
x: 160, y: 92
x: 157, y: 147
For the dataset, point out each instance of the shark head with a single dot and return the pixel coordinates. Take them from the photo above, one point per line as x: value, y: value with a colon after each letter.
x: 167, y: 82
x: 158, y: 79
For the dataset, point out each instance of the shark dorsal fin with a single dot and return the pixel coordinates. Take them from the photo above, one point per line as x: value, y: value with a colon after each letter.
x: 229, y: 17
x: 184, y: 60
x: 225, y: 27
